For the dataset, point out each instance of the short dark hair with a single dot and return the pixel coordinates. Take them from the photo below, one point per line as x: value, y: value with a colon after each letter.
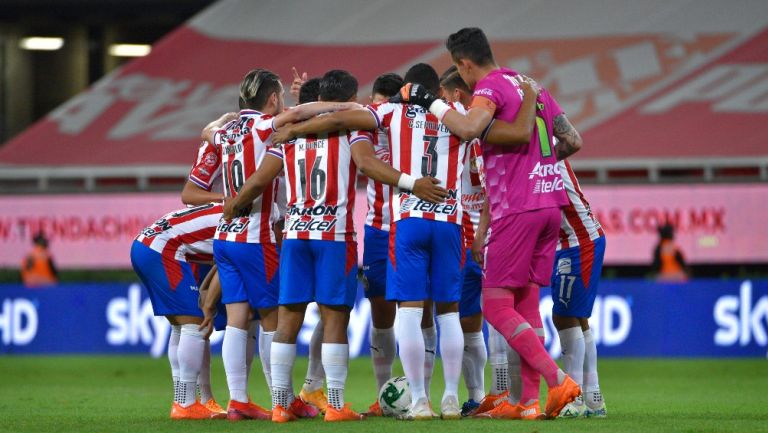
x: 338, y: 86
x: 388, y: 84
x: 451, y: 69
x: 454, y: 81
x: 424, y: 74
x: 470, y: 43
x: 256, y: 88
x: 309, y: 91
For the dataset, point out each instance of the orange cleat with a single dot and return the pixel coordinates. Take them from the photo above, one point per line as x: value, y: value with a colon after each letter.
x: 281, y: 415
x: 560, y: 395
x: 374, y: 410
x: 344, y: 414
x: 489, y: 402
x: 194, y: 411
x: 315, y: 398
x: 217, y: 411
x: 302, y: 409
x: 237, y: 411
x: 530, y: 412
x: 503, y: 410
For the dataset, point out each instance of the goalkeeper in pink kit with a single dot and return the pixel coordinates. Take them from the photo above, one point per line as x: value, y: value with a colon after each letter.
x: 524, y: 195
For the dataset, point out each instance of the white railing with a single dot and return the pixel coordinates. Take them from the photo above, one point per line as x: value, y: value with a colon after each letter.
x: 164, y: 177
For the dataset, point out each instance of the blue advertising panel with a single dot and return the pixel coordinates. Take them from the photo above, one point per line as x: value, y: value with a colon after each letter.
x: 631, y: 318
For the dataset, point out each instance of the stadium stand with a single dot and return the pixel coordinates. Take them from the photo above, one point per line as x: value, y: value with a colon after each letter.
x: 637, y: 86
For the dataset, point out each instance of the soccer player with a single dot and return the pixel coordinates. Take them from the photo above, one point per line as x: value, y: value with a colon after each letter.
x: 427, y: 242
x: 244, y: 248
x: 320, y: 252
x: 375, y: 251
x: 473, y: 362
x: 575, y: 277
x: 525, y: 193
x: 172, y: 257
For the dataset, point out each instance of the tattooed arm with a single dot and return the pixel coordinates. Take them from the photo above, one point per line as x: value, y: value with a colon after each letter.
x: 569, y: 140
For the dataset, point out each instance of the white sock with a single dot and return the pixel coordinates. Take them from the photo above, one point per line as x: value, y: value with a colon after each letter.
x: 473, y: 364
x: 204, y: 379
x: 572, y: 343
x: 173, y: 357
x: 191, y: 347
x: 430, y: 347
x: 233, y: 350
x: 515, y: 375
x: 335, y: 362
x: 498, y: 347
x: 591, y: 389
x: 451, y: 351
x: 412, y: 349
x: 282, y: 358
x: 315, y: 373
x: 250, y: 348
x: 265, y: 349
x: 383, y: 350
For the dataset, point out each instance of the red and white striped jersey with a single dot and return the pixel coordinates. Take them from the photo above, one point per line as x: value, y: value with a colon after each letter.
x: 320, y: 180
x: 578, y: 226
x: 421, y: 146
x: 242, y: 145
x: 379, y: 212
x: 207, y: 168
x: 472, y: 192
x: 185, y: 235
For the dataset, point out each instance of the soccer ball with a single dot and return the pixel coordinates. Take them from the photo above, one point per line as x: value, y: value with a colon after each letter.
x: 395, y: 396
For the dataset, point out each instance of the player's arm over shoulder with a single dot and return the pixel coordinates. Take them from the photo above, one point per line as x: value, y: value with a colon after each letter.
x: 470, y: 125
x: 569, y: 139
x: 355, y: 119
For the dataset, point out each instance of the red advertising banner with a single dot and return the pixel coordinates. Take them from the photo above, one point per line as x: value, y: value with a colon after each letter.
x: 715, y: 223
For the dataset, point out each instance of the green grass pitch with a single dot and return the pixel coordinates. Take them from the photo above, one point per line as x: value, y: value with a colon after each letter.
x: 133, y: 393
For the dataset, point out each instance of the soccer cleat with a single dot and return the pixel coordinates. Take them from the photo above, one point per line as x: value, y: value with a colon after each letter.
x: 449, y: 408
x: 315, y: 398
x: 302, y: 409
x: 419, y: 411
x: 503, y: 410
x: 595, y: 405
x: 281, y: 415
x: 217, y: 411
x: 193, y: 411
x: 574, y: 409
x: 344, y: 414
x: 489, y: 402
x: 469, y: 407
x: 560, y: 395
x: 530, y: 412
x: 374, y: 410
x: 237, y: 411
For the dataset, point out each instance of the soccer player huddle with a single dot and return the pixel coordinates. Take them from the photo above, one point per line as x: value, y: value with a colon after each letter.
x: 472, y: 207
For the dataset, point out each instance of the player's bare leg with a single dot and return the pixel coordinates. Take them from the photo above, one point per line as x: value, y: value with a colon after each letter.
x: 335, y: 356
x: 451, y: 352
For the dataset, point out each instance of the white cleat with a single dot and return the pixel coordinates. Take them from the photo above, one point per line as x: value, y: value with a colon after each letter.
x: 449, y: 408
x: 419, y: 411
x: 595, y: 405
x: 574, y: 409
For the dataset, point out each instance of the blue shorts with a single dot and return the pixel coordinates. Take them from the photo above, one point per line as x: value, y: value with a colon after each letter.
x: 248, y: 272
x: 320, y: 271
x: 425, y: 262
x: 172, y: 285
x: 575, y: 278
x: 470, y: 292
x: 375, y: 250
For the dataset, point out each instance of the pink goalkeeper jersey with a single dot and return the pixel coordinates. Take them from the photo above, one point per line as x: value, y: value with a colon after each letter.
x: 520, y: 178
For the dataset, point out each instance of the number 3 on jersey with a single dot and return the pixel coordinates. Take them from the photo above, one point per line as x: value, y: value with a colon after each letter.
x: 429, y: 159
